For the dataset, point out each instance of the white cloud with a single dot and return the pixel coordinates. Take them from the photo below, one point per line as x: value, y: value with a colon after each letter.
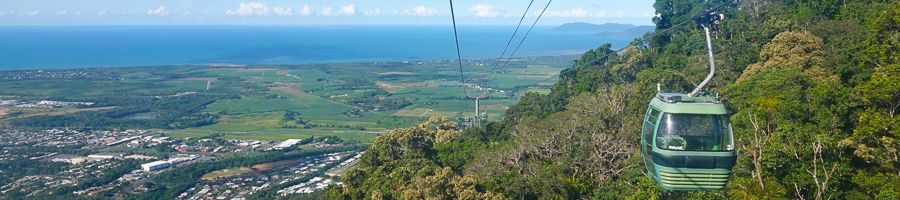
x: 348, y: 9
x: 283, y: 11
x: 101, y: 13
x: 259, y: 9
x: 32, y: 13
x: 572, y: 13
x: 77, y: 13
x: 159, y: 11
x: 326, y: 11
x: 485, y: 10
x: 376, y: 12
x: 421, y: 11
x: 62, y: 12
x: 249, y: 9
x: 306, y: 11
x: 7, y: 13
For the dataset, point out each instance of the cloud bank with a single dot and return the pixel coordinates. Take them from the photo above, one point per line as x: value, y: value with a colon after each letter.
x: 485, y: 10
x: 421, y: 11
x: 349, y: 10
x: 259, y: 9
x: 159, y: 11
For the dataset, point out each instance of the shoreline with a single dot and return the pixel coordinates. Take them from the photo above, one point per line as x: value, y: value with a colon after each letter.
x: 225, y: 65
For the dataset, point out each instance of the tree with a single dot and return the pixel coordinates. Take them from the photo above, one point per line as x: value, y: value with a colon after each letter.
x: 445, y: 184
x: 876, y: 137
x: 788, y: 119
x: 788, y: 50
x: 402, y: 164
x: 564, y: 154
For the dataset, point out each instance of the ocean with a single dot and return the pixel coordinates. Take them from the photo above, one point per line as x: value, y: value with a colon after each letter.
x: 60, y: 47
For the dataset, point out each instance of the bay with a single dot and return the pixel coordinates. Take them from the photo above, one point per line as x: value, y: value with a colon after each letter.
x: 59, y: 47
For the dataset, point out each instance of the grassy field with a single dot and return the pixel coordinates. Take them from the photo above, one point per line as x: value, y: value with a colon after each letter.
x: 226, y: 173
x: 267, y: 126
x: 340, y: 99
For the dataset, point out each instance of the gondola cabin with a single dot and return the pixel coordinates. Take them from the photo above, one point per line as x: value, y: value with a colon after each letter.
x: 687, y: 142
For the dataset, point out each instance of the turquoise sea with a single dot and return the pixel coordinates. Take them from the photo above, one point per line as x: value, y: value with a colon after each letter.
x: 55, y: 47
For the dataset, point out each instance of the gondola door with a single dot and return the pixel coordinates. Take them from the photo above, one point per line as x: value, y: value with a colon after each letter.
x: 649, y: 127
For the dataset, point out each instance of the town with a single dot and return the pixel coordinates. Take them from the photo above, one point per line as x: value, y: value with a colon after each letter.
x: 106, y: 162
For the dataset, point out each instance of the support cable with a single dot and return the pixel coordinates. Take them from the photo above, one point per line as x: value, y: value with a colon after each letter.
x: 462, y: 77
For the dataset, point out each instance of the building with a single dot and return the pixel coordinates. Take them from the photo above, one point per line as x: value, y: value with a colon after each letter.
x: 140, y: 157
x: 181, y: 158
x: 155, y: 165
x: 123, y: 140
x: 286, y: 144
x: 105, y: 156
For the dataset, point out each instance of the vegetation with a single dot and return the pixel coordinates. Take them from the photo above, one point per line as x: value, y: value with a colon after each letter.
x: 16, y: 168
x: 408, y: 154
x: 105, y: 177
x: 247, y: 102
x: 271, y: 126
x: 172, y: 112
x: 813, y: 87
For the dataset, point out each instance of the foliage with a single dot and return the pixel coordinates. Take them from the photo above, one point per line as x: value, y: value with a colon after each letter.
x: 168, y: 112
x: 565, y: 153
x: 105, y: 177
x: 789, y: 118
x: 374, y: 101
x: 401, y: 164
x: 876, y: 136
x: 19, y: 167
x: 813, y: 87
x: 788, y: 50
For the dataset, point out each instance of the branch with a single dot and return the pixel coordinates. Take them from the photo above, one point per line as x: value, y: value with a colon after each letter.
x: 797, y: 191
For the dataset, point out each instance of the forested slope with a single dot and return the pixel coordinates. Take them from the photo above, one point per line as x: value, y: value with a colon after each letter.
x: 813, y: 87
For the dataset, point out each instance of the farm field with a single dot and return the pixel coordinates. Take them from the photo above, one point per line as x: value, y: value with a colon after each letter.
x: 278, y: 102
x: 267, y: 126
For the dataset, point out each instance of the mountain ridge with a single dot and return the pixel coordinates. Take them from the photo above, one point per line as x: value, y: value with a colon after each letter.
x: 606, y: 29
x: 589, y: 27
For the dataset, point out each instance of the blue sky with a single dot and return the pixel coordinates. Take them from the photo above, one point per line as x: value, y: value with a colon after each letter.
x: 356, y: 12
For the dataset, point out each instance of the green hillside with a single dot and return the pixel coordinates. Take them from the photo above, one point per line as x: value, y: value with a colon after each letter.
x: 813, y: 87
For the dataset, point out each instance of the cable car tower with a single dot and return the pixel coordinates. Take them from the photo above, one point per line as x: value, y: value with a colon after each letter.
x: 686, y: 139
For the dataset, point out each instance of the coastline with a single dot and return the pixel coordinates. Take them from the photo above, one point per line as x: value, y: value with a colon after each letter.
x: 68, y: 47
x: 15, y: 69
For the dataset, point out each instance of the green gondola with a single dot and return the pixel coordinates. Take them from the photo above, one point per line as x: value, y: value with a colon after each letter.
x: 686, y: 139
x: 687, y: 142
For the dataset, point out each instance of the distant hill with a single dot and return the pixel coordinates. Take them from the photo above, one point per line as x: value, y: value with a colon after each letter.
x: 631, y: 32
x: 606, y: 30
x: 597, y: 28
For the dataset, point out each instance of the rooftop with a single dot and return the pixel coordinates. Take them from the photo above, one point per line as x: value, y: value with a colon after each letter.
x: 681, y: 103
